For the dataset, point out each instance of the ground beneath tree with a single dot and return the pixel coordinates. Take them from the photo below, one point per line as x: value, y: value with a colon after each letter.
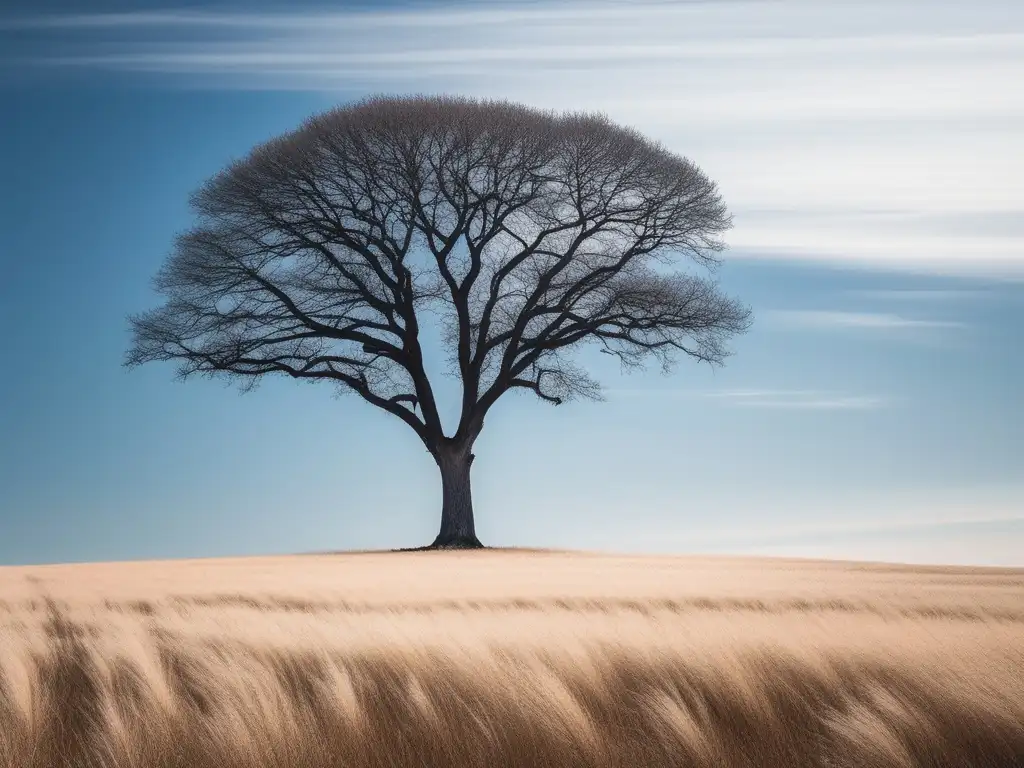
x: 454, y: 542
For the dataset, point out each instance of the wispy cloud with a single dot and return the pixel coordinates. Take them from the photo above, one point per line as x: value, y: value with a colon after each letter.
x: 832, y: 319
x: 921, y: 294
x: 770, y: 18
x: 797, y: 399
x: 438, y: 16
x: 869, y: 529
x: 875, y: 513
x: 794, y: 105
x: 970, y: 525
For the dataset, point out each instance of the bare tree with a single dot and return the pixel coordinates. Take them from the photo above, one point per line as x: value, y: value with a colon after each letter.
x: 528, y: 233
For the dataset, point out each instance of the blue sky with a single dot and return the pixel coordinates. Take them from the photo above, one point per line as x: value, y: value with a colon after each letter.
x: 870, y: 153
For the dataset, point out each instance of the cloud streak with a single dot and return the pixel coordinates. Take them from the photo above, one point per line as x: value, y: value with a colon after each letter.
x: 439, y: 16
x: 832, y: 319
x: 785, y: 399
x: 770, y: 18
x: 796, y: 399
x: 875, y: 529
x: 908, y: 511
x: 921, y: 294
x: 792, y: 105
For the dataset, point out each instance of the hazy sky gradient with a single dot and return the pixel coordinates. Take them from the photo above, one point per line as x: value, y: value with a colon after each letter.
x: 870, y: 154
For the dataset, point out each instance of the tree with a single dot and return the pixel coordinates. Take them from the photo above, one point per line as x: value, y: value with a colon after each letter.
x: 528, y: 234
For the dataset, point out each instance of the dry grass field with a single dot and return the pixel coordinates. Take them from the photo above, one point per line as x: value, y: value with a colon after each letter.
x: 510, y: 658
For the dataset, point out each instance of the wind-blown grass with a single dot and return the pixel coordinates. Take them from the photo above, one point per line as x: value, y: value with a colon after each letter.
x: 510, y: 659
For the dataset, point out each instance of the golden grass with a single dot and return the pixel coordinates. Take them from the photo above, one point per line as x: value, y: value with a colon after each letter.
x: 510, y: 659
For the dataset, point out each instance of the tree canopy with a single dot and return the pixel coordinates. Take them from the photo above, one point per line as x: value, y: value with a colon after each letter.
x: 526, y: 233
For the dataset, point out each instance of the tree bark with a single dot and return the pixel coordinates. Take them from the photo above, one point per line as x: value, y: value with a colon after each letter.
x: 457, y: 527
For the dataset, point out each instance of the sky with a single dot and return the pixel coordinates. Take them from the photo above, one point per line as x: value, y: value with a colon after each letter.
x: 869, y: 152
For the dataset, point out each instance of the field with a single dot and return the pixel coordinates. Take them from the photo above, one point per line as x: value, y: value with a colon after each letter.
x: 510, y: 658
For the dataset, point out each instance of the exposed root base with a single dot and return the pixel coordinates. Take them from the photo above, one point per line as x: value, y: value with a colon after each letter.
x: 455, y: 542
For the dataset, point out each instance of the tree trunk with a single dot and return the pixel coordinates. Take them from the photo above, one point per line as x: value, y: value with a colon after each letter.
x: 457, y: 529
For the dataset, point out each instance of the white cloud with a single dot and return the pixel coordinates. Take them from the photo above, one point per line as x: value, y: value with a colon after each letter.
x: 830, y: 319
x: 945, y: 518
x: 706, y: 17
x: 920, y: 294
x: 796, y: 106
x: 796, y: 399
x: 936, y: 524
